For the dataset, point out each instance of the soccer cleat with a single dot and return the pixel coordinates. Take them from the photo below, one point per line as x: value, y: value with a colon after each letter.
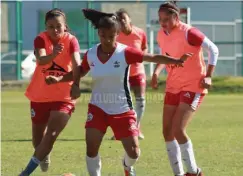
x: 140, y: 136
x: 22, y: 174
x: 199, y: 173
x: 45, y: 163
x: 129, y: 171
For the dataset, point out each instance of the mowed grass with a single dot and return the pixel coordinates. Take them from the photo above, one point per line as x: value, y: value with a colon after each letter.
x: 216, y: 132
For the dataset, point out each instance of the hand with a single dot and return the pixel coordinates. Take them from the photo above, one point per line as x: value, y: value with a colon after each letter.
x: 206, y: 82
x: 52, y: 79
x: 75, y: 92
x: 154, y: 81
x: 183, y: 58
x: 57, y: 49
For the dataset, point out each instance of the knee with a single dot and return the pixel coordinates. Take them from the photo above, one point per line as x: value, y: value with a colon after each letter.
x: 134, y: 153
x: 179, y: 133
x: 168, y: 134
x: 49, y: 138
x: 91, y: 150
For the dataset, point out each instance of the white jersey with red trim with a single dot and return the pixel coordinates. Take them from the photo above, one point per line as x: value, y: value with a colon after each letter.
x: 110, y: 87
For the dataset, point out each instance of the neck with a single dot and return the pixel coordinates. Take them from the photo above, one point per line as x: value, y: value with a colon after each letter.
x: 128, y: 30
x: 108, y: 49
x: 174, y: 27
x: 55, y: 40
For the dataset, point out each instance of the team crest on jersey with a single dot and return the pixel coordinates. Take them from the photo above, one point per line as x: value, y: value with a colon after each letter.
x: 92, y: 64
x: 32, y: 112
x: 89, y: 117
x: 116, y: 64
x: 133, y: 126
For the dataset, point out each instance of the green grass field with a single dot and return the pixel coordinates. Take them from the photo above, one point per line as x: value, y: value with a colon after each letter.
x: 216, y: 132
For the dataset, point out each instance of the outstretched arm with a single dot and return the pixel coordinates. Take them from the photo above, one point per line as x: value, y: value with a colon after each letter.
x: 134, y: 56
x: 163, y: 59
x: 65, y: 78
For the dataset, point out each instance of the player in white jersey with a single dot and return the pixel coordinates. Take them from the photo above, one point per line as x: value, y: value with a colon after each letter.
x: 111, y: 104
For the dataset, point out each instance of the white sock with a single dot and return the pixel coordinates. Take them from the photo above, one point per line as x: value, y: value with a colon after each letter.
x: 94, y: 165
x: 128, y: 162
x: 140, y: 107
x: 174, y: 155
x: 188, y: 157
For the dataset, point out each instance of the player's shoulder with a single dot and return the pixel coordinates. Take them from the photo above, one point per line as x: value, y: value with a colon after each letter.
x: 40, y: 39
x: 93, y: 49
x: 41, y: 35
x: 121, y: 45
x: 138, y: 30
x: 160, y: 33
x: 184, y: 27
x: 69, y: 36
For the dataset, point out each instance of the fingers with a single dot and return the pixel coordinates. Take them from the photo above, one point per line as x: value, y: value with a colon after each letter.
x: 74, y: 96
x: 202, y: 83
x: 75, y: 92
x: 50, y: 80
x: 47, y: 81
x: 154, y: 82
x: 58, y: 48
x: 206, y: 84
x: 186, y: 56
x: 154, y: 85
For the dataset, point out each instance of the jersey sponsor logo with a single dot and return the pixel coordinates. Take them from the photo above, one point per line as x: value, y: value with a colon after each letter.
x: 54, y: 70
x: 56, y: 67
x: 116, y: 64
x: 32, y: 112
x: 89, y: 117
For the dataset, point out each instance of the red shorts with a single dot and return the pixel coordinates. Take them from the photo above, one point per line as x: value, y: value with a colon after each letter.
x: 191, y: 98
x: 40, y: 111
x: 123, y: 125
x: 138, y: 80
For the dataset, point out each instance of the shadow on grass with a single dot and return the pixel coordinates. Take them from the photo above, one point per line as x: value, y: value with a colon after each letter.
x: 59, y: 140
x: 30, y: 140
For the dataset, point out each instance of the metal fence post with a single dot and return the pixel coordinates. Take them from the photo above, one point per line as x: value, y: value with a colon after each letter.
x: 241, y: 38
x: 54, y: 4
x: 19, y: 37
x: 89, y: 4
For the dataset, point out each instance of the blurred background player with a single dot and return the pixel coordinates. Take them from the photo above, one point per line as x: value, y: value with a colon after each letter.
x: 57, y: 52
x: 109, y: 63
x: 135, y: 37
x: 185, y: 87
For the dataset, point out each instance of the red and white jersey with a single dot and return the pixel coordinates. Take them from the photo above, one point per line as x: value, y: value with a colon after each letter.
x: 110, y: 87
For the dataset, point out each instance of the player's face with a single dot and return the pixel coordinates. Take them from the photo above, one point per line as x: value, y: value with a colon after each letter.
x: 108, y: 36
x: 167, y: 21
x: 56, y: 27
x: 125, y: 22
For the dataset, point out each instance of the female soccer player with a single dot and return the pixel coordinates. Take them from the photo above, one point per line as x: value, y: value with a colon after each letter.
x: 185, y: 87
x: 135, y: 37
x: 110, y: 103
x: 57, y: 52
